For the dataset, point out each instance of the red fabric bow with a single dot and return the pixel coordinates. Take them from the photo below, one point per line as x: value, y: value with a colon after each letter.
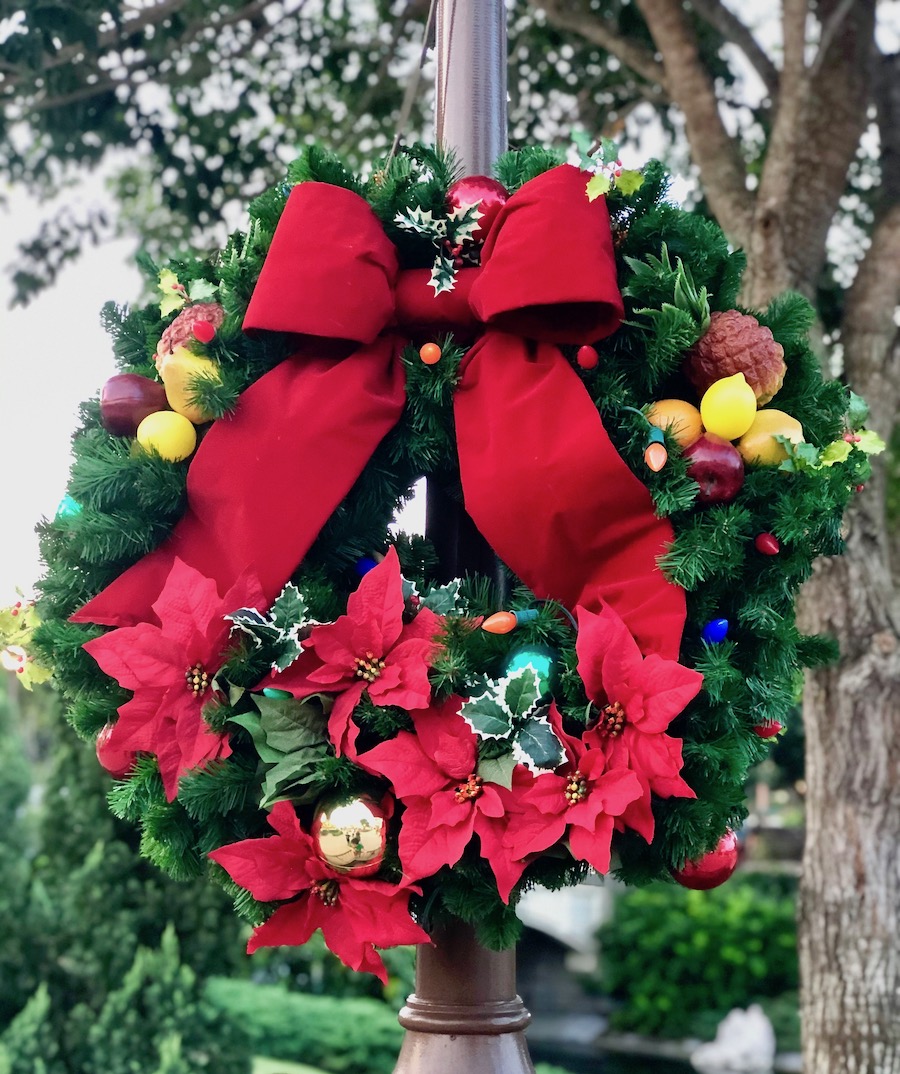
x: 541, y: 479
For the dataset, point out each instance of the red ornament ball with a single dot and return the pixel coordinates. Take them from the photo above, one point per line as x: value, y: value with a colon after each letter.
x: 490, y: 196
x: 204, y: 331
x: 430, y: 353
x: 713, y: 869
x: 587, y: 357
x: 767, y: 730
x: 767, y: 544
x: 116, y: 761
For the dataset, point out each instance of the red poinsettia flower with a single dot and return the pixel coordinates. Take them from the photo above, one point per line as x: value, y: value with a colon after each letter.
x: 170, y: 668
x: 638, y: 697
x: 580, y: 801
x: 355, y: 915
x: 368, y: 650
x: 433, y: 773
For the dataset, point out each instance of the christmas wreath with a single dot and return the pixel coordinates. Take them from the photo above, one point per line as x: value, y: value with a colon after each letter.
x: 294, y: 697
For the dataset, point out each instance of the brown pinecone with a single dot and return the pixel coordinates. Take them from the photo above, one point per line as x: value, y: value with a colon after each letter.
x: 737, y: 343
x: 180, y: 331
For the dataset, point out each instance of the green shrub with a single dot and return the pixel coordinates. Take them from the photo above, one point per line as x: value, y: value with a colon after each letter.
x: 342, y: 1036
x: 679, y: 960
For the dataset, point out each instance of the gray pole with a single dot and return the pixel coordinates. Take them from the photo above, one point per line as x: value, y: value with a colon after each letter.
x: 470, y: 99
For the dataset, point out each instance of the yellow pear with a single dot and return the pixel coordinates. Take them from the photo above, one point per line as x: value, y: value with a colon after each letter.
x: 758, y: 445
x: 179, y: 370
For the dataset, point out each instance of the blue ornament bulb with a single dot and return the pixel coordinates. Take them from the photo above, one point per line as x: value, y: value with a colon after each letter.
x: 541, y: 657
x: 716, y: 630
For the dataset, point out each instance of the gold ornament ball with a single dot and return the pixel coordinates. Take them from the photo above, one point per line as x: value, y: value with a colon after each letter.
x: 350, y: 835
x: 169, y: 434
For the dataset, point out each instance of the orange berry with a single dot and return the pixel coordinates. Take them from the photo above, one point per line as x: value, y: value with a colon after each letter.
x: 430, y: 353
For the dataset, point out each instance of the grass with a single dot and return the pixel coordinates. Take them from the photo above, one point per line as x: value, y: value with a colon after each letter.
x: 280, y: 1066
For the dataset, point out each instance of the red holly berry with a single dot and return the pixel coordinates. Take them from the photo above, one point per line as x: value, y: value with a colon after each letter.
x: 587, y: 357
x: 767, y: 544
x: 204, y: 331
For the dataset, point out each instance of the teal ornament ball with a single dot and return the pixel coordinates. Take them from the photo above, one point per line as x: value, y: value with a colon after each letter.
x: 542, y: 658
x: 68, y: 508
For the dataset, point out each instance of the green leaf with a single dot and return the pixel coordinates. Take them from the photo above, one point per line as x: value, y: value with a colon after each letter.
x: 520, y: 691
x: 421, y: 221
x: 536, y: 745
x: 250, y: 722
x: 444, y: 599
x: 289, y: 724
x: 487, y: 717
x: 870, y: 442
x: 443, y: 273
x: 290, y: 608
x: 857, y: 411
x: 584, y: 144
x: 201, y: 291
x: 497, y: 770
x: 629, y: 181
x: 464, y: 221
x: 597, y: 186
x: 837, y: 451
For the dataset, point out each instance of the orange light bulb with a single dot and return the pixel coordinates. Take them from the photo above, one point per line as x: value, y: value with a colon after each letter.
x: 500, y: 623
x: 656, y: 456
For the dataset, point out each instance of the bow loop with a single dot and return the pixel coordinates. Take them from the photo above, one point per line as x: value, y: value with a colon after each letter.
x: 330, y: 270
x: 549, y: 270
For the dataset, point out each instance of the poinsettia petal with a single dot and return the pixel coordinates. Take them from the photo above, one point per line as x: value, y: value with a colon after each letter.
x: 376, y: 607
x: 573, y: 746
x: 427, y: 626
x: 447, y: 738
x: 667, y: 687
x: 342, y: 731
x: 139, y: 656
x: 607, y: 653
x: 290, y: 925
x: 407, y: 765
x: 138, y: 721
x: 506, y: 868
x: 333, y: 644
x: 380, y: 912
x: 593, y: 846
x: 270, y: 868
x: 424, y: 850
x: 658, y: 759
x: 532, y: 832
x: 489, y: 802
x: 189, y: 609
x: 183, y: 741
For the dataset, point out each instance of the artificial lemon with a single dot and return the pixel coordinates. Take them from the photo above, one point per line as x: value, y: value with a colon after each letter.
x: 169, y: 434
x: 728, y: 407
x: 179, y: 371
x: 679, y: 418
x: 758, y: 445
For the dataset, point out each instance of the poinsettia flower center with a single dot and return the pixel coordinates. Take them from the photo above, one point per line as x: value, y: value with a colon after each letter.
x: 197, y: 679
x: 576, y: 788
x: 611, y: 720
x: 470, y: 790
x: 327, y: 891
x: 368, y: 667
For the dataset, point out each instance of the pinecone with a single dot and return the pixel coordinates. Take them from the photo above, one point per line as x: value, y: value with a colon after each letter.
x: 737, y: 343
x: 180, y: 331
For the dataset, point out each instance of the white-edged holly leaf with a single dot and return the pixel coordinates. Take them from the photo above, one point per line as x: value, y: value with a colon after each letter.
x: 536, y: 745
x: 443, y: 273
x: 464, y: 221
x: 255, y: 623
x: 408, y: 589
x: 289, y: 609
x: 497, y: 770
x: 597, y: 186
x: 486, y: 716
x: 870, y: 442
x: 837, y: 451
x: 520, y: 691
x: 422, y: 221
x: 201, y: 291
x: 444, y: 599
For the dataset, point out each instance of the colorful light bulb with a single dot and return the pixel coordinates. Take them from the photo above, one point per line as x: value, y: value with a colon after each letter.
x: 655, y: 454
x: 504, y: 622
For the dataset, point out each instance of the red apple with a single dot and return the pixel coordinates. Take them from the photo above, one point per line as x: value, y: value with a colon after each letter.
x: 126, y: 399
x: 116, y: 761
x: 717, y: 467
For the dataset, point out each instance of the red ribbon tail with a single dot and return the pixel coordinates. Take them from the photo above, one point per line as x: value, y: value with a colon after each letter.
x: 550, y: 492
x: 264, y: 482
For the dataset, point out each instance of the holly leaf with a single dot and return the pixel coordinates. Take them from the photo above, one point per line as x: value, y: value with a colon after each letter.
x: 857, y: 411
x: 487, y: 717
x: 837, y: 451
x: 172, y: 292
x: 536, y: 745
x: 629, y: 181
x: 597, y: 186
x: 520, y: 691
x: 422, y: 221
x: 464, y: 221
x: 442, y: 600
x: 802, y: 456
x: 869, y: 442
x: 443, y: 273
x: 255, y: 623
x: 584, y: 144
x: 201, y: 291
x: 497, y: 770
x: 609, y: 151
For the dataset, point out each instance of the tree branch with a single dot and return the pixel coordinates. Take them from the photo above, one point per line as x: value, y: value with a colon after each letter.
x: 716, y: 153
x: 830, y: 27
x: 602, y: 31
x: 733, y: 30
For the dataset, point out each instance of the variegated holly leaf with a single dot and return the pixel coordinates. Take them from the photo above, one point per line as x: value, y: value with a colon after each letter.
x: 444, y: 599
x: 464, y: 221
x: 279, y: 628
x: 255, y: 623
x: 837, y: 451
x: 597, y: 186
x: 486, y: 716
x: 421, y: 221
x: 173, y: 294
x: 536, y: 745
x: 497, y: 770
x: 629, y: 181
x: 201, y: 291
x: 869, y: 442
x: 443, y: 273
x: 519, y: 692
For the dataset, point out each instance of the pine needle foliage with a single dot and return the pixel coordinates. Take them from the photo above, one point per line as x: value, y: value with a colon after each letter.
x: 674, y: 268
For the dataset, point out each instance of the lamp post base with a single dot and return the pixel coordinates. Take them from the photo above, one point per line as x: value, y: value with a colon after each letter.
x: 465, y: 1015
